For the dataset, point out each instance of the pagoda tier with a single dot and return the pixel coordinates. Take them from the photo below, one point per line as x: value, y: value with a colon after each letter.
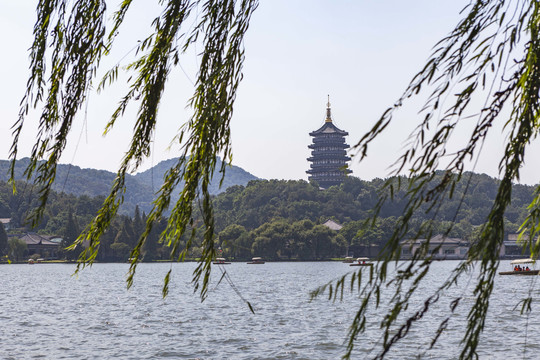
x: 329, y: 155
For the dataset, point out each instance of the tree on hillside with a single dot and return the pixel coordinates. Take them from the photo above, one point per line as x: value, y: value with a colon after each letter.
x: 271, y: 239
x: 3, y: 241
x: 233, y: 237
x: 321, y: 241
x: 126, y: 234
x: 16, y: 249
x: 151, y: 245
x: 494, y: 52
x: 138, y: 225
x: 71, y: 233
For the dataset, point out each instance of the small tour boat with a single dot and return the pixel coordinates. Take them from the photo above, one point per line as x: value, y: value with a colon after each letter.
x: 362, y: 261
x: 518, y: 269
x: 220, y: 261
x: 348, y: 260
x: 256, y: 260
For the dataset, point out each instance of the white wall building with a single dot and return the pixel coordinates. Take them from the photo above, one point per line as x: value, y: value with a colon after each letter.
x: 440, y: 247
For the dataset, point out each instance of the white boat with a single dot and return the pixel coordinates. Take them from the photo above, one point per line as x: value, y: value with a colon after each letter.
x: 348, y: 260
x: 220, y: 261
x: 256, y: 260
x: 362, y: 261
x: 519, y: 270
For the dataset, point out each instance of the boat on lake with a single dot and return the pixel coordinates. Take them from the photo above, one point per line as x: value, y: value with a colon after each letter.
x: 220, y: 261
x: 362, y: 261
x: 348, y: 260
x: 519, y: 270
x: 256, y: 260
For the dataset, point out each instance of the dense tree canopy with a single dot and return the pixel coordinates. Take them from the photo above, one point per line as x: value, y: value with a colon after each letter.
x: 286, y: 225
x: 3, y: 241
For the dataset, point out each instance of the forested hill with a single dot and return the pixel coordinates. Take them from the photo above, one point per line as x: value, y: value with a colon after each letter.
x: 141, y: 187
x: 282, y: 219
x: 261, y: 202
x: 276, y: 219
x: 234, y: 175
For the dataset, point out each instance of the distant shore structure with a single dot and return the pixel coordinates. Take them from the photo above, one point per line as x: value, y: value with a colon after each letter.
x: 329, y: 160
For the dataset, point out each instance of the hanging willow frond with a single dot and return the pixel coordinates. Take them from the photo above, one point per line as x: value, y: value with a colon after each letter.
x: 78, y: 44
x: 493, y: 53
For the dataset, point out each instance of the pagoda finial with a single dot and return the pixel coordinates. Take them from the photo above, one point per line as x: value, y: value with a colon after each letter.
x: 328, y: 111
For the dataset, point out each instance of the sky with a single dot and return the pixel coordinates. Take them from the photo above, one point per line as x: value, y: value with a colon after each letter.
x: 361, y: 53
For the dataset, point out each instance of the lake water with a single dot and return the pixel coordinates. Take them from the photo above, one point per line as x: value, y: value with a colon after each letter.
x: 47, y: 313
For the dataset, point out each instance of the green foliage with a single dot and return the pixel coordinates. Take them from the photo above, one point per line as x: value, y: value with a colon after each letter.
x: 73, y: 38
x: 291, y: 233
x: 243, y: 213
x: 234, y: 241
x: 120, y: 251
x: 264, y: 201
x: 16, y: 249
x: 3, y: 241
x: 70, y: 235
x: 76, y: 46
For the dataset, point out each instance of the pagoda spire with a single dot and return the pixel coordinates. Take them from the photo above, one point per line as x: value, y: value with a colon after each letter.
x: 328, y: 111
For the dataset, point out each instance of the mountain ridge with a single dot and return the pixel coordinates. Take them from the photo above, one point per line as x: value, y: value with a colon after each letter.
x: 140, y: 187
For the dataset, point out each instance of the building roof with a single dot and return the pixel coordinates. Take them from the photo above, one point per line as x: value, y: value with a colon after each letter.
x: 36, y: 239
x: 328, y: 127
x: 55, y: 239
x: 331, y: 224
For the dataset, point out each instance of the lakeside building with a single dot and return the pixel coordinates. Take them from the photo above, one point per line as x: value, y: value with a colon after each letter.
x: 513, y: 248
x: 328, y: 156
x: 39, y: 244
x: 440, y: 246
x: 456, y: 249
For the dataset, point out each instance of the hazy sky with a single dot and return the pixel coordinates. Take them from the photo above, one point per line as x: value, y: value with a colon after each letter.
x: 361, y: 53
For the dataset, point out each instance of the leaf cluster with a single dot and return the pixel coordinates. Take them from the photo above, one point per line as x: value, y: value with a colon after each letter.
x: 76, y: 33
x: 490, y: 58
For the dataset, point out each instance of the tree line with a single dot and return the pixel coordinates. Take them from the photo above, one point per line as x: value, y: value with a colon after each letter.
x: 274, y: 219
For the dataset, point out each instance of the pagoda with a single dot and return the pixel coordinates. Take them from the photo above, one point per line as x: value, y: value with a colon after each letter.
x: 328, y: 156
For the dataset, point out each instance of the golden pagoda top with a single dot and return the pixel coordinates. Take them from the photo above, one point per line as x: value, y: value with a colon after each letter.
x: 328, y: 111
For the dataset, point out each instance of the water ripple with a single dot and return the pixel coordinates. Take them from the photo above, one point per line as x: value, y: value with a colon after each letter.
x: 93, y: 316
